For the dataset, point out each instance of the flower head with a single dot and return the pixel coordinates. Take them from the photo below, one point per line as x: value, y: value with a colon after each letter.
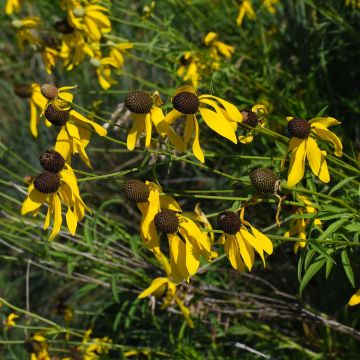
x: 91, y: 18
x: 146, y: 112
x: 239, y: 242
x: 12, y: 6
x: 163, y: 288
x: 36, y: 345
x: 37, y: 103
x: 252, y: 118
x: 56, y: 185
x: 302, y: 144
x: 217, y: 47
x: 189, y: 69
x: 245, y: 9
x: 218, y: 114
x: 10, y: 321
x: 25, y: 31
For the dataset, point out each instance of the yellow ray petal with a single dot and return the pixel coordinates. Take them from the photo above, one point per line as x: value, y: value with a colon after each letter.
x: 185, y: 88
x: 33, y: 119
x: 297, y: 160
x: 148, y: 130
x: 155, y: 285
x: 177, y: 258
x: 134, y: 134
x: 317, y: 161
x: 233, y: 253
x: 355, y: 299
x: 78, y: 117
x: 57, y: 217
x: 253, y: 242
x: 218, y: 123
x: 196, y: 143
x: 264, y: 241
x: 172, y: 116
x: 169, y: 203
x: 246, y: 251
x: 323, y: 122
x: 232, y: 110
x: 329, y: 136
x: 71, y: 221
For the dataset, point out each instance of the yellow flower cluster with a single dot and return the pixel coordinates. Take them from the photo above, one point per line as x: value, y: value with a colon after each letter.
x: 57, y: 184
x: 246, y: 9
x: 79, y: 35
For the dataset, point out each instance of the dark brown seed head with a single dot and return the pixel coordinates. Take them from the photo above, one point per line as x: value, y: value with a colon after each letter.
x: 299, y: 128
x: 50, y: 91
x: 138, y: 102
x: 52, y: 161
x: 47, y: 182
x: 229, y: 222
x: 63, y: 27
x: 57, y: 117
x: 23, y: 90
x: 249, y: 118
x: 264, y: 180
x: 136, y: 191
x: 166, y: 221
x: 186, y: 102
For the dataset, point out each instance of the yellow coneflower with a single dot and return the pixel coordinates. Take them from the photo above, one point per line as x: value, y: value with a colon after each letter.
x: 49, y: 55
x: 145, y: 112
x: 355, y: 299
x: 56, y: 185
x: 163, y: 288
x: 218, y: 47
x: 245, y: 9
x: 37, y: 103
x: 89, y: 17
x: 252, y: 118
x: 10, y: 321
x: 38, y: 347
x: 12, y: 6
x: 270, y: 5
x: 298, y: 226
x: 190, y: 67
x: 25, y: 31
x: 239, y: 242
x: 302, y: 145
x: 218, y: 114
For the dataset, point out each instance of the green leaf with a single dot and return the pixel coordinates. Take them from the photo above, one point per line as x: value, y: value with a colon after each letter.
x: 322, y: 111
x: 329, y: 265
x: 331, y: 229
x: 341, y: 184
x: 320, y: 249
x: 281, y: 147
x: 114, y: 288
x: 347, y: 267
x: 310, y: 254
x: 311, y: 271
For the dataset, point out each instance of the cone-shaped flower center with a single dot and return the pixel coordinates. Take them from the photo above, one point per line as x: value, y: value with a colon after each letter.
x: 229, y: 222
x: 50, y: 91
x: 57, y: 117
x: 249, y: 118
x: 63, y: 27
x: 264, y: 180
x: 47, y: 182
x: 166, y: 221
x: 52, y: 161
x: 136, y: 191
x: 186, y: 102
x: 138, y: 102
x: 23, y: 90
x: 299, y: 128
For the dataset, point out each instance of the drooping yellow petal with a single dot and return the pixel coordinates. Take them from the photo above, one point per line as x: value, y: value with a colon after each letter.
x: 192, y: 258
x: 57, y: 217
x: 78, y: 117
x: 172, y: 116
x: 71, y: 221
x: 264, y: 241
x: 218, y: 123
x: 253, y: 242
x: 134, y: 134
x: 155, y: 285
x: 148, y: 129
x: 196, y: 143
x: 317, y: 161
x: 329, y: 136
x: 63, y: 144
x: 323, y: 122
x: 33, y: 119
x: 355, y: 299
x: 169, y: 203
x: 246, y: 251
x: 233, y: 252
x: 232, y: 111
x: 185, y: 88
x: 177, y: 258
x: 297, y: 160
x: 34, y: 201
